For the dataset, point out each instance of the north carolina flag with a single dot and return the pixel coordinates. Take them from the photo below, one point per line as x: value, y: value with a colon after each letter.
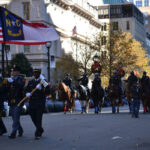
x: 15, y: 30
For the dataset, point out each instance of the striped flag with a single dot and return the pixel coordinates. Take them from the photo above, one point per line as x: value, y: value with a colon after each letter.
x: 15, y: 30
x: 1, y: 33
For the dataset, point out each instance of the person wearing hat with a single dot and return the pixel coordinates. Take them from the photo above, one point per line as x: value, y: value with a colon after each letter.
x: 84, y: 81
x: 15, y: 92
x: 144, y: 80
x: 37, y: 101
x: 3, y: 96
x: 131, y: 79
x: 97, y: 80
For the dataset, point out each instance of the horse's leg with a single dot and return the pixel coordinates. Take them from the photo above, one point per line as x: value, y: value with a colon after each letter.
x: 113, y: 107
x: 65, y: 106
x: 100, y: 106
x: 87, y: 106
x: 96, y: 106
x: 82, y: 106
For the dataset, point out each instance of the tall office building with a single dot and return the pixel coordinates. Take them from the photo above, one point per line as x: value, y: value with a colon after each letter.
x: 140, y: 3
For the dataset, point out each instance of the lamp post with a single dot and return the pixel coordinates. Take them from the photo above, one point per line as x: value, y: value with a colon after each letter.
x: 48, y: 45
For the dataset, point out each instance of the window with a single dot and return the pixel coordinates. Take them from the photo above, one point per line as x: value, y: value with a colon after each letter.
x: 53, y: 62
x: 104, y: 27
x: 128, y: 25
x: 26, y: 10
x: 146, y: 2
x: 115, y: 25
x: 26, y: 48
x: 103, y: 41
x: 138, y: 3
x: 146, y: 22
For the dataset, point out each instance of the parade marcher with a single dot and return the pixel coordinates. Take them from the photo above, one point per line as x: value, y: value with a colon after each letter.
x: 116, y: 80
x: 97, y: 80
x: 131, y: 79
x: 135, y: 99
x: 84, y: 81
x: 3, y: 95
x: 15, y: 94
x: 68, y: 82
x: 37, y: 101
x: 144, y: 80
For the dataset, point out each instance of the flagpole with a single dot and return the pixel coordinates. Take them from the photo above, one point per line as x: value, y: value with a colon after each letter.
x: 76, y: 48
x: 3, y: 61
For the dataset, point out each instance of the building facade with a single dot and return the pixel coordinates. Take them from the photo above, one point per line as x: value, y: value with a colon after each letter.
x: 126, y: 17
x: 72, y: 19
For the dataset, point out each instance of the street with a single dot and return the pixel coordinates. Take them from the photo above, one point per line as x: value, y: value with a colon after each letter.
x: 77, y: 131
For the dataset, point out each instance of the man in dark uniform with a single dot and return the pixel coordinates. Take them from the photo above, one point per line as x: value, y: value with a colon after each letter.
x: 37, y: 101
x: 132, y: 79
x: 3, y: 94
x: 15, y: 94
x: 84, y: 81
x: 116, y: 80
x: 97, y: 80
x: 144, y: 80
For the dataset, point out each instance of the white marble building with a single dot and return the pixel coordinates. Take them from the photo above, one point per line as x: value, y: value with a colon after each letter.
x: 64, y: 15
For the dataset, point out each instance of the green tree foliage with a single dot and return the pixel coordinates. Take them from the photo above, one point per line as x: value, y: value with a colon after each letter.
x: 21, y: 61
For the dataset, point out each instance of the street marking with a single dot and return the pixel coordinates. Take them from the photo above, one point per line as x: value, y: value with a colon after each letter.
x: 116, y: 137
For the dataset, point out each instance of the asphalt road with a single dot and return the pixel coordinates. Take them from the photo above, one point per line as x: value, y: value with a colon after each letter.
x: 77, y: 131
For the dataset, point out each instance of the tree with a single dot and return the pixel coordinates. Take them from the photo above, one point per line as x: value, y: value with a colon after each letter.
x: 21, y: 61
x: 121, y: 50
x: 67, y: 64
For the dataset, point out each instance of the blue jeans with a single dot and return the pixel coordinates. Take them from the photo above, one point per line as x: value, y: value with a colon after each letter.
x: 135, y: 106
x: 15, y: 113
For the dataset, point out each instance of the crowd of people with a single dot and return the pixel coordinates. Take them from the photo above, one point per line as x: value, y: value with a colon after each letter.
x: 13, y: 90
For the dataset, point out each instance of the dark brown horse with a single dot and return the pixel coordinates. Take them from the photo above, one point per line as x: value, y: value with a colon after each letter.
x: 114, y: 95
x: 145, y: 97
x: 84, y: 98
x: 97, y: 94
x: 66, y: 96
x: 128, y: 94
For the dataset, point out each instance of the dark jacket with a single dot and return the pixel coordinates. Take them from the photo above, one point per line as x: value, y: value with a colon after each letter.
x: 132, y: 79
x: 3, y: 92
x: 135, y: 92
x: 115, y: 79
x: 84, y: 81
x: 97, y: 82
x: 16, y: 90
x: 68, y: 81
x: 37, y: 100
x: 145, y: 81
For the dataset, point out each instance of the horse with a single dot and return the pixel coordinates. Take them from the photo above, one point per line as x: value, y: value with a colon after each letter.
x: 114, y: 95
x: 128, y: 94
x: 145, y: 97
x: 84, y: 98
x: 97, y: 94
x: 66, y: 96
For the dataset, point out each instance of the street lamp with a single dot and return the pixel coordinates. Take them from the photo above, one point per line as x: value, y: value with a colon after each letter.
x: 48, y: 45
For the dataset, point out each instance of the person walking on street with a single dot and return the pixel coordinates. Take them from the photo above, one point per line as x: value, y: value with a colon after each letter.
x: 135, y: 99
x: 37, y: 101
x: 3, y: 95
x: 15, y: 94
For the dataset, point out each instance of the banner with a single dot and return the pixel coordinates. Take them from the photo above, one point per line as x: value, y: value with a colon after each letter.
x: 15, y: 30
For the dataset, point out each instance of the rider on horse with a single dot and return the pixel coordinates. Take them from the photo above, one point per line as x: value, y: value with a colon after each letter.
x: 132, y: 79
x: 84, y: 81
x: 116, y: 80
x: 144, y: 80
x: 97, y: 80
x: 68, y: 82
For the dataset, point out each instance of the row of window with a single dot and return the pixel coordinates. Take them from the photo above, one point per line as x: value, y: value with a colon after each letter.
x: 140, y: 3
x: 115, y: 26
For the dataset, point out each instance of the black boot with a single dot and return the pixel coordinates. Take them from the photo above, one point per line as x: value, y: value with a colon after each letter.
x: 3, y: 132
x: 12, y: 136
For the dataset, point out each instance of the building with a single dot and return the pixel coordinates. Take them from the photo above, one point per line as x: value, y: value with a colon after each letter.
x: 140, y: 3
x: 73, y: 19
x: 126, y: 17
